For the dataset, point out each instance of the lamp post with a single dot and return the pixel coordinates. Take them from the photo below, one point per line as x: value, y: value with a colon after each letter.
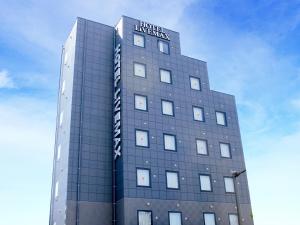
x: 236, y: 174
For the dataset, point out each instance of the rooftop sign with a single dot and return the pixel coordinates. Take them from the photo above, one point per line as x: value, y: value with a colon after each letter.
x: 152, y: 30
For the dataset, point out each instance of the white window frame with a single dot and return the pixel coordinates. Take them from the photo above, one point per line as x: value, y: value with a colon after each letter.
x: 135, y: 41
x: 198, y: 82
x: 147, y: 138
x: 205, y: 218
x: 135, y: 68
x: 171, y: 218
x: 161, y: 47
x: 169, y: 175
x: 223, y: 149
x: 198, y: 147
x: 164, y: 104
x: 229, y: 185
x: 202, y: 182
x: 143, y: 222
x: 195, y: 108
x: 138, y: 183
x: 171, y: 148
x: 136, y: 103
x: 169, y: 79
x: 233, y: 219
x: 221, y: 123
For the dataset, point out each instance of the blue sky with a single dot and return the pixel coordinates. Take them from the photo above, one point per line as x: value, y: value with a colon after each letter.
x: 252, y: 49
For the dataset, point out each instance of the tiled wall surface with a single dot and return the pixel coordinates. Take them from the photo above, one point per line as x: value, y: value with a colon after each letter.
x: 191, y: 211
x: 88, y: 171
x: 92, y: 113
x: 84, y: 169
x: 185, y: 160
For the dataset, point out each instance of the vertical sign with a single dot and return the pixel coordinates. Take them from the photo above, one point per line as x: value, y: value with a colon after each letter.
x: 117, y: 103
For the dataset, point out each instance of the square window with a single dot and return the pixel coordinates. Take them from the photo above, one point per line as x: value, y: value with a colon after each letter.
x: 205, y: 184
x: 209, y: 219
x: 145, y: 217
x: 139, y: 70
x: 195, y: 83
x: 201, y: 147
x: 229, y: 185
x: 172, y: 180
x: 143, y: 177
x: 140, y: 102
x: 139, y: 40
x: 174, y: 218
x: 225, y: 150
x: 165, y: 76
x: 141, y: 138
x: 167, y: 108
x: 233, y: 219
x: 170, y: 142
x: 221, y: 118
x: 163, y: 47
x: 198, y: 113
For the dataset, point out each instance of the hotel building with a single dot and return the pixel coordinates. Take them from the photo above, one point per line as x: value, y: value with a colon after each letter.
x: 141, y: 139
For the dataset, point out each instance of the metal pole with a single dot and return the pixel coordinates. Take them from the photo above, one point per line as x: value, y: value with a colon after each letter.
x: 237, y: 201
x: 234, y: 176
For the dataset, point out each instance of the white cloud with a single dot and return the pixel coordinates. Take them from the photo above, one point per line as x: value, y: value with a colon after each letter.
x: 295, y: 103
x: 28, y: 120
x: 256, y: 119
x: 5, y: 80
x: 29, y: 25
x: 27, y: 80
x: 245, y: 64
x: 36, y: 81
x: 273, y: 180
x: 27, y: 140
x: 36, y: 27
x: 154, y: 11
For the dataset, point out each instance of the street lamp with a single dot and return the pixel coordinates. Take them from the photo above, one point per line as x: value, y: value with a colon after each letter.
x: 236, y: 174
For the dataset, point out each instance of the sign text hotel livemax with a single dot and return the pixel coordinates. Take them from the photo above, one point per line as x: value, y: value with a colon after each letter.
x: 143, y: 27
x: 117, y: 103
x: 152, y: 30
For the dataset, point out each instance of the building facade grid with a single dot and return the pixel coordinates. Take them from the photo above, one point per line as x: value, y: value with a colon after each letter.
x: 85, y: 167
